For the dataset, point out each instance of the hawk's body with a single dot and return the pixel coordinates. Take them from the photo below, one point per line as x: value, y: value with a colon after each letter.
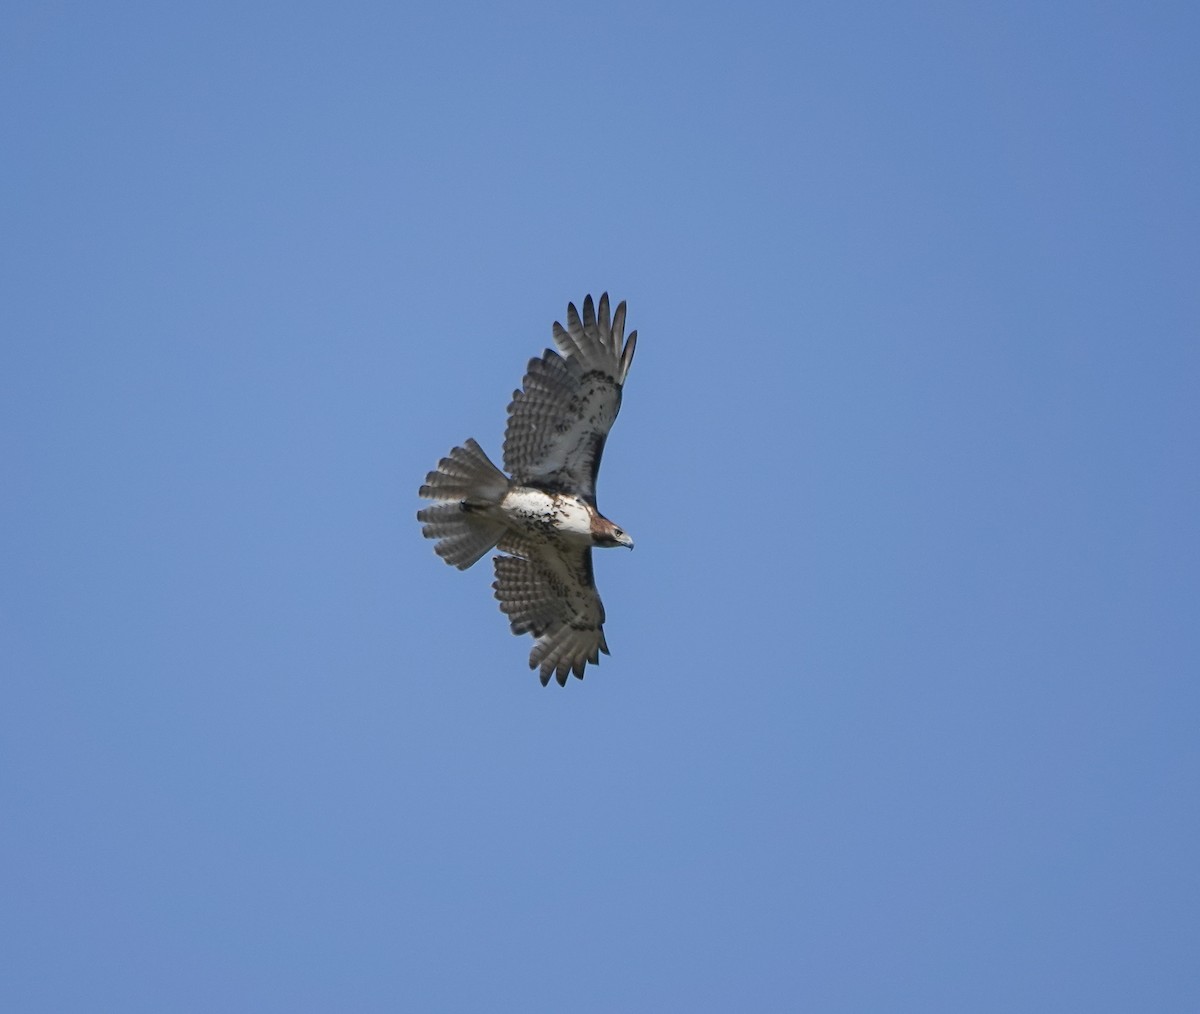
x: 545, y: 516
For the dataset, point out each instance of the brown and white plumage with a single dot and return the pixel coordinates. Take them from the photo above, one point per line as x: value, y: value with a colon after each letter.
x: 559, y: 420
x: 544, y: 517
x: 553, y: 597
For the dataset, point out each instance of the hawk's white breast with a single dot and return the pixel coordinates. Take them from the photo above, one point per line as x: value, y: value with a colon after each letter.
x: 545, y: 514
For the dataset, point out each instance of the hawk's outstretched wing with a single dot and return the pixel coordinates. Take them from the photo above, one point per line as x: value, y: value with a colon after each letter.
x: 559, y: 420
x: 549, y: 591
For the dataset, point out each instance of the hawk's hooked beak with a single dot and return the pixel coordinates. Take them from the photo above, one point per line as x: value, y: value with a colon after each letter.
x: 624, y: 540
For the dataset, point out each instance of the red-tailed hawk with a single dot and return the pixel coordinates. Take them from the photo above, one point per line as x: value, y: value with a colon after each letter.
x: 544, y: 517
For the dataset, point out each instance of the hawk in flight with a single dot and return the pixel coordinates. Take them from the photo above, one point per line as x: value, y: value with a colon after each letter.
x: 544, y: 518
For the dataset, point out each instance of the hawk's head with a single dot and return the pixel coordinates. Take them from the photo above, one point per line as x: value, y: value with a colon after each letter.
x: 606, y: 534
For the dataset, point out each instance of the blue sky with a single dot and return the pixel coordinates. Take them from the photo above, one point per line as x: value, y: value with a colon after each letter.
x: 902, y: 707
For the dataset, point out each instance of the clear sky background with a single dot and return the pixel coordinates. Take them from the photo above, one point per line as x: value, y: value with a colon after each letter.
x: 902, y: 710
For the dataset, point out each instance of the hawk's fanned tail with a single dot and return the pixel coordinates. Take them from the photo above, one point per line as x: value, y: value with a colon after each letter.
x: 465, y: 472
x: 465, y: 483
